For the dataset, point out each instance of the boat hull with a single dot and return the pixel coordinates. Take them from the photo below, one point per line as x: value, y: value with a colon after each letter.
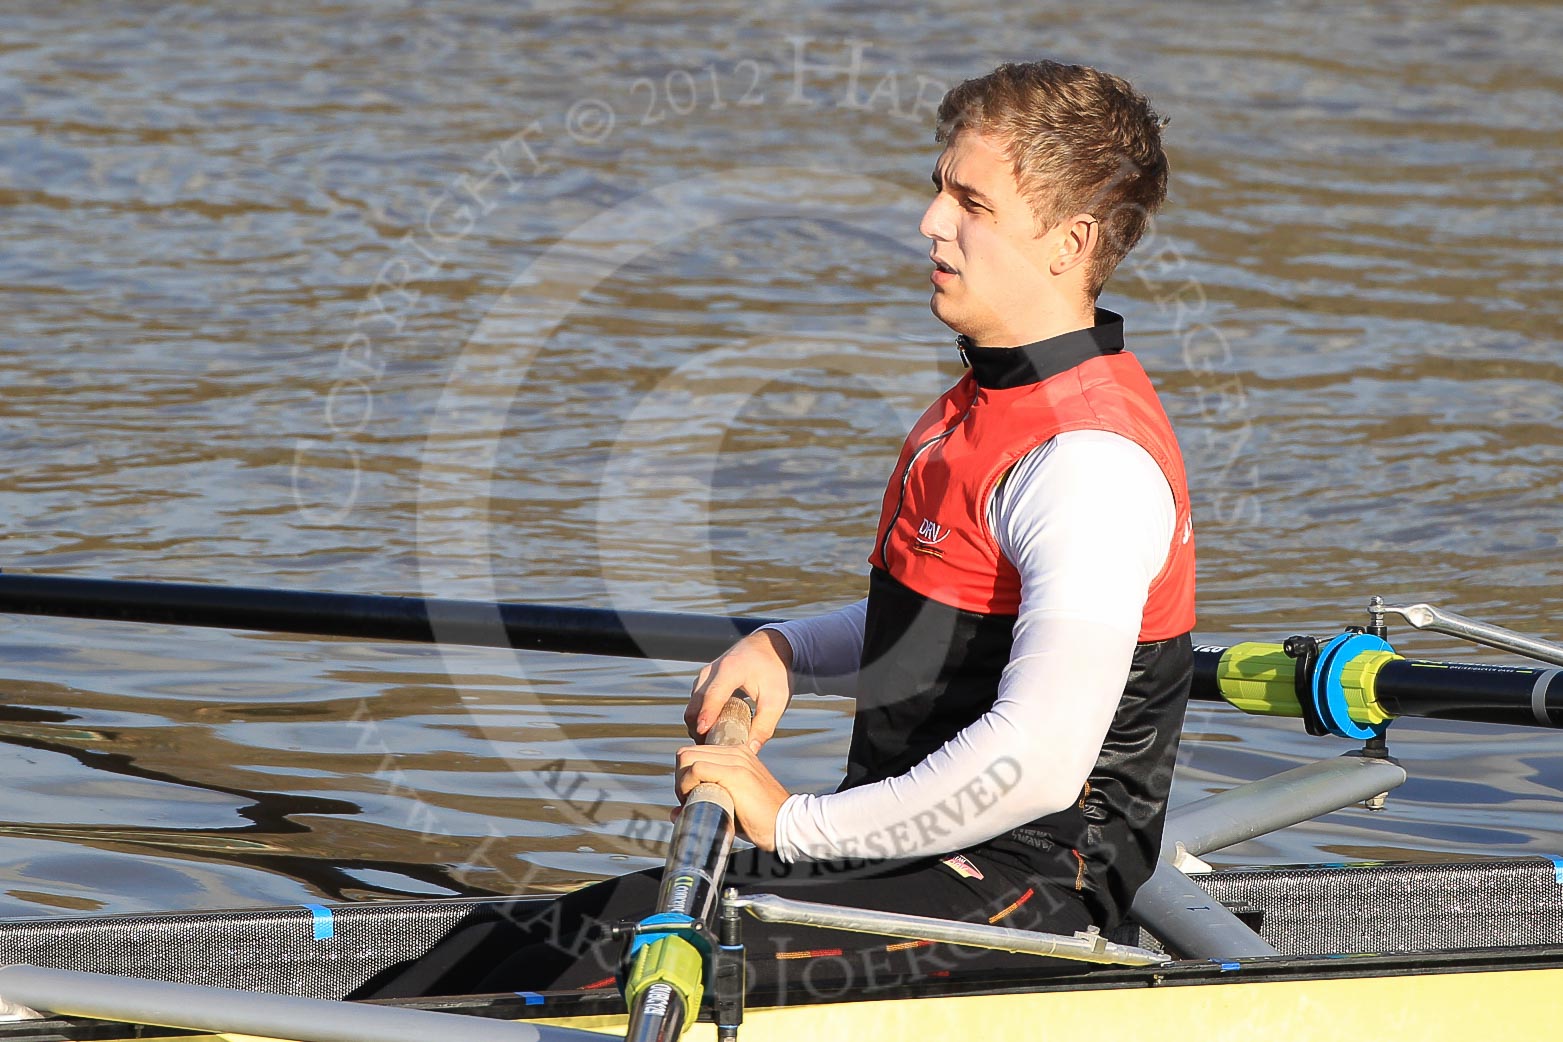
x: 1461, y: 951
x: 1463, y: 997
x: 1453, y: 1006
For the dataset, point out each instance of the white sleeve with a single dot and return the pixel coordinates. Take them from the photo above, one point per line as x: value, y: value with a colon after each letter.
x: 1087, y: 520
x: 826, y: 649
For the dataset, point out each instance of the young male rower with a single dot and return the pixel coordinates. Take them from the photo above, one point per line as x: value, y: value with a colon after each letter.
x: 1024, y: 648
x: 1022, y: 661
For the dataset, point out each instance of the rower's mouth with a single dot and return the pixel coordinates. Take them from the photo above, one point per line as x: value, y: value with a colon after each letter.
x: 940, y: 265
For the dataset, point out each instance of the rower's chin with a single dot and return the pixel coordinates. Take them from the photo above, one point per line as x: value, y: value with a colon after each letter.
x: 941, y: 303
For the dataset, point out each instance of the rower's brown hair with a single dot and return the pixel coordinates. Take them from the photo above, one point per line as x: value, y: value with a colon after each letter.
x: 1081, y: 140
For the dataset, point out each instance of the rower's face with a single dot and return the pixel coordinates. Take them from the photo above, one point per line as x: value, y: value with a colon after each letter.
x: 988, y: 259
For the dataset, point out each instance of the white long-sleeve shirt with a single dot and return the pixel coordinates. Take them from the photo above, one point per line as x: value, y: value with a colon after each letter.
x: 1087, y: 520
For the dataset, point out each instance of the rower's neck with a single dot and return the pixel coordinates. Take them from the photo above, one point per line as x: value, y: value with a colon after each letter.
x: 1057, y: 323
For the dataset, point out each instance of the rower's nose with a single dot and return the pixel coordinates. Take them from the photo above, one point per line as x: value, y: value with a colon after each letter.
x: 938, y: 221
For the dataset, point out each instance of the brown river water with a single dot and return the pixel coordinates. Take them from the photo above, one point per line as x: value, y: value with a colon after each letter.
x: 624, y: 305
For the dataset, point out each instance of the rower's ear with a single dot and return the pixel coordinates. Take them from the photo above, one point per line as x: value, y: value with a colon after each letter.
x: 1077, y: 239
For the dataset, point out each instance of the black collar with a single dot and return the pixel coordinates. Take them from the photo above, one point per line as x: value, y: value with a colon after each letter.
x: 998, y: 368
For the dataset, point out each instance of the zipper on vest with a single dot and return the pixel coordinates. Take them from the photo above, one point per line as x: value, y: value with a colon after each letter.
x: 906, y: 475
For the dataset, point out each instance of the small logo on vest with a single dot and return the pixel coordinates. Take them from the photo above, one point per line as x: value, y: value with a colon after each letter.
x: 962, y: 865
x: 929, y: 536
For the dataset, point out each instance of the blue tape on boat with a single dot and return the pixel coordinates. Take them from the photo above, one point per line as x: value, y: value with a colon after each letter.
x: 1230, y: 967
x: 1557, y: 866
x: 1329, y: 696
x: 532, y: 998
x: 324, y: 921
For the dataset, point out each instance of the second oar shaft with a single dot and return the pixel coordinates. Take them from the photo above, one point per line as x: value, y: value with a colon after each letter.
x: 691, y: 881
x: 704, y: 837
x: 659, y: 1015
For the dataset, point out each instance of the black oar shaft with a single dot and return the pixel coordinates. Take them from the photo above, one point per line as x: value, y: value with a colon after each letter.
x: 1517, y: 695
x: 1522, y: 695
x: 1207, y: 680
x: 540, y: 627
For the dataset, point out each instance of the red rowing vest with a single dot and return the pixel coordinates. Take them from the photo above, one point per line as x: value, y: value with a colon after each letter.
x: 933, y: 526
x: 942, y: 603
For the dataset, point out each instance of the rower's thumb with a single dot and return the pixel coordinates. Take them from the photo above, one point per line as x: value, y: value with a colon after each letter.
x: 761, y: 730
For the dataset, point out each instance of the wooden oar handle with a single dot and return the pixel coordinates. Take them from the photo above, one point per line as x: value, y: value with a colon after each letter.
x: 732, y: 726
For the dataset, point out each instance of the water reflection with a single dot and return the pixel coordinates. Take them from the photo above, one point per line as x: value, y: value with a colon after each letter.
x: 239, y: 282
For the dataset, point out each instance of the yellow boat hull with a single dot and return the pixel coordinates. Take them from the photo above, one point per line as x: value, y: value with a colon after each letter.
x: 1442, y: 1007
x: 1474, y: 1006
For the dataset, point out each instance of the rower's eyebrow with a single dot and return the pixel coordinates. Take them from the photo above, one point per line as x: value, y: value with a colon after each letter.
x: 967, y: 190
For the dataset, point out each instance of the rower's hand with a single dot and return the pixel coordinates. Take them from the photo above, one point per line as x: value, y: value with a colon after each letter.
x: 758, y: 664
x: 757, y: 795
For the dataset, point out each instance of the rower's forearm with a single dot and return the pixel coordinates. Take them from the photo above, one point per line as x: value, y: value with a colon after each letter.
x: 826, y: 649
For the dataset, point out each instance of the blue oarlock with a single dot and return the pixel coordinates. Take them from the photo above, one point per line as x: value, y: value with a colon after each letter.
x: 1329, y: 694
